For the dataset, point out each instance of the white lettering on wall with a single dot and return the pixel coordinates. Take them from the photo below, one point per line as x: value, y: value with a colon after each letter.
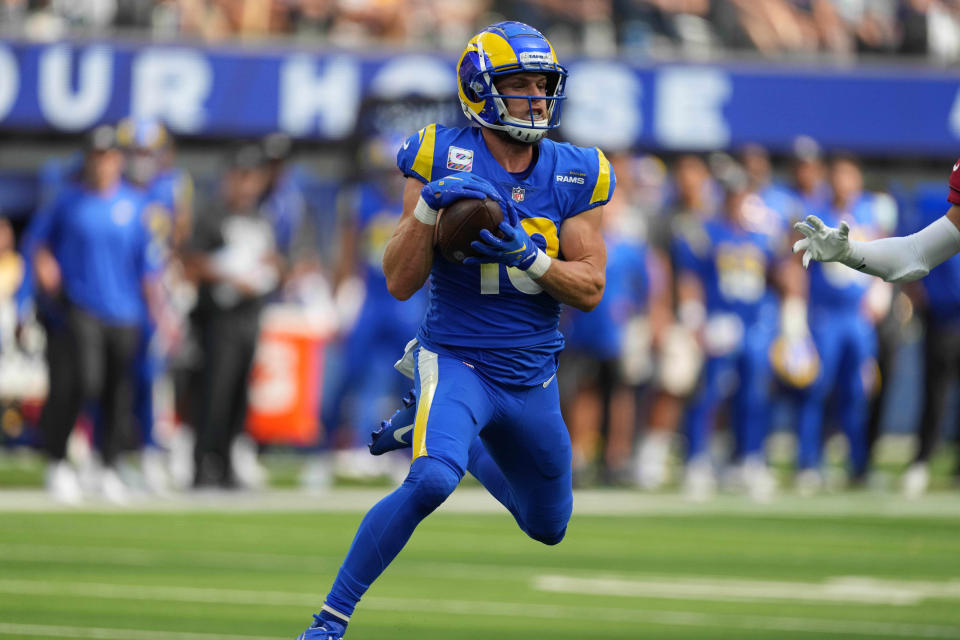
x: 172, y: 86
x: 688, y: 113
x: 61, y: 105
x: 603, y: 106
x: 954, y: 116
x: 319, y: 97
x: 9, y: 81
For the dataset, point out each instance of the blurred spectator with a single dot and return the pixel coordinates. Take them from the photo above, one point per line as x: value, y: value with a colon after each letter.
x: 940, y: 308
x: 807, y: 178
x: 366, y: 385
x: 655, y: 25
x: 283, y: 202
x: 169, y: 192
x: 723, y: 269
x: 777, y: 28
x: 568, y: 24
x: 233, y: 257
x: 11, y: 276
x: 842, y: 324
x: 93, y: 263
x: 607, y: 355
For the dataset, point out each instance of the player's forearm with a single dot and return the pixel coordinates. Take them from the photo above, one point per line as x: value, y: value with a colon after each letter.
x: 907, y: 258
x: 578, y: 284
x: 408, y: 258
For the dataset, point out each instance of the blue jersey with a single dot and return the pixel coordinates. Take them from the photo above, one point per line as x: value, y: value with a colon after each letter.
x: 625, y: 295
x: 376, y: 213
x: 833, y: 285
x: 942, y: 285
x: 731, y: 263
x: 807, y: 203
x: 285, y: 207
x: 496, y: 317
x: 171, y: 189
x: 782, y: 201
x: 103, y: 248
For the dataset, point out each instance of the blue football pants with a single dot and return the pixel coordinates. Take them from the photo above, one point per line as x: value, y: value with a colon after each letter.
x: 513, y: 440
x: 746, y: 374
x: 846, y: 343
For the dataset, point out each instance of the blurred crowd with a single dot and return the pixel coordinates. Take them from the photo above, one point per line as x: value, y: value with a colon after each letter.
x: 638, y: 28
x: 137, y: 300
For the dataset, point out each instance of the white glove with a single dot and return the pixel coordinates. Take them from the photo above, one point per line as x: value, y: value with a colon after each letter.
x: 823, y: 243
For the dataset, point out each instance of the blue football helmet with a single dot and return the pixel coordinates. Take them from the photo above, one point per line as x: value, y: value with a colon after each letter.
x: 499, y: 50
x: 142, y: 133
x: 143, y: 140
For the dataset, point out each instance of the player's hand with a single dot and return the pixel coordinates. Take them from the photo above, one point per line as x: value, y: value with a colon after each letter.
x: 514, y: 249
x: 444, y: 191
x: 820, y: 242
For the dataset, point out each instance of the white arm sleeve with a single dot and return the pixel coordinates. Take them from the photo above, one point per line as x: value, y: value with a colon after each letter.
x: 906, y: 258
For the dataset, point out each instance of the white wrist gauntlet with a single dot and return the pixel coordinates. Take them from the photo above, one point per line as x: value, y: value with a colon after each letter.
x: 539, y: 265
x: 424, y: 213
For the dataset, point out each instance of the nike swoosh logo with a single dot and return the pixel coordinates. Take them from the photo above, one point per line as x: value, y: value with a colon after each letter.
x: 406, y: 143
x: 956, y: 166
x: 399, y: 433
x: 523, y: 248
x: 549, y: 380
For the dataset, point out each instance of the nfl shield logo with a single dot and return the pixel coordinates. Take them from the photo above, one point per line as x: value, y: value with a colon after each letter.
x: 517, y: 194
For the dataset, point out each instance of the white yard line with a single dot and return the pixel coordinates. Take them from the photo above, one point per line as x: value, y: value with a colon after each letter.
x: 841, y: 590
x: 819, y: 627
x: 473, y: 500
x: 101, y: 633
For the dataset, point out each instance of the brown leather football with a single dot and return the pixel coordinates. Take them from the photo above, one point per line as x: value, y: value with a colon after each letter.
x: 460, y: 224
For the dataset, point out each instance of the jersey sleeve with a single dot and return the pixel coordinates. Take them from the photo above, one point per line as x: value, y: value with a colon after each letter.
x: 415, y: 156
x: 597, y: 187
x: 954, y: 194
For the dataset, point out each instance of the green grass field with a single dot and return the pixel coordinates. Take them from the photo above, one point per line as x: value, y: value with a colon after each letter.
x: 834, y: 567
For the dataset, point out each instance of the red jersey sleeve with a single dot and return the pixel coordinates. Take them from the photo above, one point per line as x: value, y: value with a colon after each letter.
x: 954, y: 196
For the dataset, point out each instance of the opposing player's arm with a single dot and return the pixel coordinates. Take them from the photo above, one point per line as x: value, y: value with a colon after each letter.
x: 900, y: 259
x: 408, y: 257
x: 953, y: 215
x: 579, y: 278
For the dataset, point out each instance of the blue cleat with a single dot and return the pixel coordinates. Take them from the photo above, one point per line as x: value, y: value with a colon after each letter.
x: 323, y: 630
x: 397, y: 432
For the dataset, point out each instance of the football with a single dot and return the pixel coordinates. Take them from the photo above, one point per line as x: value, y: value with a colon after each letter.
x: 460, y: 224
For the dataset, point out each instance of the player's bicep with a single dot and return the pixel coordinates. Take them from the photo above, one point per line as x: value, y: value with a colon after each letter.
x: 581, y: 239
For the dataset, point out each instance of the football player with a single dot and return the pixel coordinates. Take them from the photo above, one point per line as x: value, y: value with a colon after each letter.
x: 486, y: 352
x: 370, y: 211
x: 842, y: 331
x: 724, y: 266
x: 169, y: 192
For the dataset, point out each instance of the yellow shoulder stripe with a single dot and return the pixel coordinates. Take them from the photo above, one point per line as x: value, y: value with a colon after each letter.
x: 423, y: 163
x: 601, y: 190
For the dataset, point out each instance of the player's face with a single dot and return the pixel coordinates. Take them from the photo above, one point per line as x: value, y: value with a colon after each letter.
x: 757, y: 164
x: 142, y: 165
x: 104, y: 168
x: 243, y: 187
x: 525, y: 84
x: 807, y: 174
x: 690, y: 175
x: 845, y: 179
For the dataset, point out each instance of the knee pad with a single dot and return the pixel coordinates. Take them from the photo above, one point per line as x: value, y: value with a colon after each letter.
x: 548, y: 535
x: 431, y: 481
